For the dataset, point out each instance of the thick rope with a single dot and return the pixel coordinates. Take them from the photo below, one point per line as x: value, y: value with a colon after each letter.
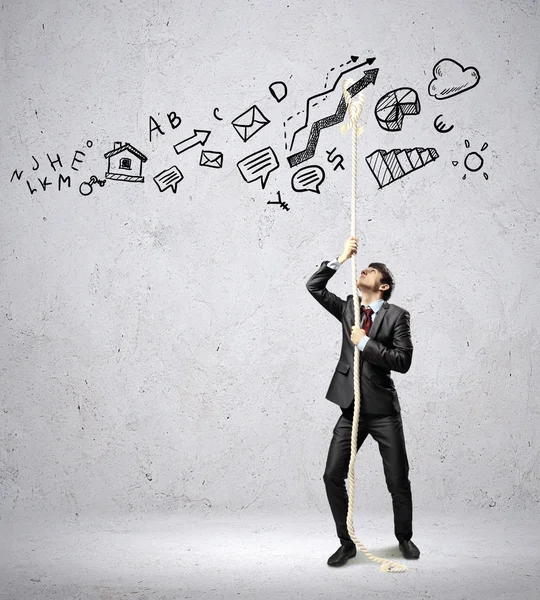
x: 355, y: 109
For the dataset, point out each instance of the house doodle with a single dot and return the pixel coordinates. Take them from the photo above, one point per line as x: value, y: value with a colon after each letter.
x: 125, y: 163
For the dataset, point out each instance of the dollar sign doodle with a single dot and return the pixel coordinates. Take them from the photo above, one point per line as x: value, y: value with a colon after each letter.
x: 338, y: 158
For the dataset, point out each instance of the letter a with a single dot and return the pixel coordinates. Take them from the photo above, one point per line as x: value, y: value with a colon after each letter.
x: 154, y: 127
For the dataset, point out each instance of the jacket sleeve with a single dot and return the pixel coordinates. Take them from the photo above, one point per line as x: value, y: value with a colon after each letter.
x: 316, y: 286
x: 399, y: 357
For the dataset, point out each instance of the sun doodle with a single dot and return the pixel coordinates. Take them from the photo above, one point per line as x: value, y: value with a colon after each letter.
x: 473, y: 161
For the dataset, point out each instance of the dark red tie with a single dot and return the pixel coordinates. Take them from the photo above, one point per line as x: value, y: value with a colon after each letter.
x: 367, y: 321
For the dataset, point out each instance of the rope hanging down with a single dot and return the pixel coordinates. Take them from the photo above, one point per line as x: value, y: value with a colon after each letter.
x: 355, y: 110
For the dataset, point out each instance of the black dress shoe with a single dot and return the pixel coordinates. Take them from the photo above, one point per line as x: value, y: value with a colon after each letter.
x: 408, y: 549
x: 341, y: 556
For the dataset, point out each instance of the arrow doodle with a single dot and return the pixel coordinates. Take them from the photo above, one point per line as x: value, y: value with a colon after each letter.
x: 352, y: 60
x: 370, y: 76
x: 199, y: 137
x: 368, y: 61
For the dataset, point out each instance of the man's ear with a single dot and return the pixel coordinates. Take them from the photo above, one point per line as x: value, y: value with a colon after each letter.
x: 384, y: 287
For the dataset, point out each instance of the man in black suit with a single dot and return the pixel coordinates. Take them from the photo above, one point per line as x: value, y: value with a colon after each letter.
x: 384, y: 340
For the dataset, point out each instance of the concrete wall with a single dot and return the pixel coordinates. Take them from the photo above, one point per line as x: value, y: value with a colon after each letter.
x: 159, y: 350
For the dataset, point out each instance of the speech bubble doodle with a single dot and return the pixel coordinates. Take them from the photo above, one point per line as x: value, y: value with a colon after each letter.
x: 308, y: 179
x: 170, y: 178
x: 258, y: 165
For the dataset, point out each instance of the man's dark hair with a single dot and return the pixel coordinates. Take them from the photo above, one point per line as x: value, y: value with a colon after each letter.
x: 386, y: 277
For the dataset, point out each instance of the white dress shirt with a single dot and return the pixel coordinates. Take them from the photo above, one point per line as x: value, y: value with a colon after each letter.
x: 335, y: 264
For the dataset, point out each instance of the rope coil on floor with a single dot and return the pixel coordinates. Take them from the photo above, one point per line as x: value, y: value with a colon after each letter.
x: 355, y: 110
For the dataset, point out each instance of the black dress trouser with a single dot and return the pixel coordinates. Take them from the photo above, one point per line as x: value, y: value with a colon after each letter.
x: 387, y: 431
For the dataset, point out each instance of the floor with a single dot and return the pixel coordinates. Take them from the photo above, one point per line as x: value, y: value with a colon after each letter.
x: 483, y: 555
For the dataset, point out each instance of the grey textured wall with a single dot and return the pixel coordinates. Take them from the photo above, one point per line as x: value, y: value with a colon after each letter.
x: 160, y: 352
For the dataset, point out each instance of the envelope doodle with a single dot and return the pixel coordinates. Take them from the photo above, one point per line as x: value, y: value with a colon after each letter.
x: 211, y: 159
x: 249, y: 122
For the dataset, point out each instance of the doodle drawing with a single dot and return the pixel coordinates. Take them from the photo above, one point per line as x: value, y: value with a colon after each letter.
x: 249, y: 123
x: 440, y: 125
x: 388, y: 167
x: 216, y: 110
x: 278, y: 89
x: 308, y: 179
x: 214, y: 160
x: 391, y: 108
x: 283, y: 205
x: 170, y: 178
x: 370, y: 76
x: 200, y: 136
x: 353, y: 59
x: 125, y: 163
x: 473, y: 161
x: 451, y: 79
x: 258, y: 165
x: 338, y: 159
x: 86, y: 187
x: 322, y: 96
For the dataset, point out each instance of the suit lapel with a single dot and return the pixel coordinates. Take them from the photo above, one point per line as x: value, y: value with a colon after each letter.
x: 378, y: 320
x: 350, y: 311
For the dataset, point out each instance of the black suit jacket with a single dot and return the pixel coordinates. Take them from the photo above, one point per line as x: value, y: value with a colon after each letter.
x: 389, y: 349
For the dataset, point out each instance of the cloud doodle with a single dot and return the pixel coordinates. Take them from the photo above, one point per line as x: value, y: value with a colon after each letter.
x: 451, y: 79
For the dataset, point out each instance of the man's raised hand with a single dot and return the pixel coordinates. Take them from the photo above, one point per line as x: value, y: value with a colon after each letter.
x: 350, y: 247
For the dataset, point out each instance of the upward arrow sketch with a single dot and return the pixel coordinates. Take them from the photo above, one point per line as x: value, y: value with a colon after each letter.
x: 370, y: 76
x: 199, y: 137
x: 352, y: 60
x: 368, y: 61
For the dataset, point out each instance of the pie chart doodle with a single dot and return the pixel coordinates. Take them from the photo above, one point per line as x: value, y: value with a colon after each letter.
x: 392, y: 108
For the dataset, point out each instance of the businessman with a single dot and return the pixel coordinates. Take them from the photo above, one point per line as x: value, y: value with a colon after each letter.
x: 384, y: 340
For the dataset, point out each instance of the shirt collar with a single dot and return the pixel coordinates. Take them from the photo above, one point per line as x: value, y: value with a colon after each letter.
x: 376, y: 305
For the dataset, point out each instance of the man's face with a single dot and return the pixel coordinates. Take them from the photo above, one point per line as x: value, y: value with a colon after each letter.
x: 369, y: 278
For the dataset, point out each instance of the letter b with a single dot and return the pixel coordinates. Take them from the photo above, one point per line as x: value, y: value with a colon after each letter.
x: 174, y: 120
